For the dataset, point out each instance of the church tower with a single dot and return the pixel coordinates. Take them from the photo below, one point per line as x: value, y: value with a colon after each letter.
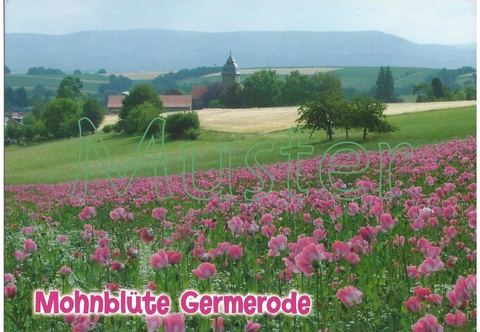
x: 230, y: 73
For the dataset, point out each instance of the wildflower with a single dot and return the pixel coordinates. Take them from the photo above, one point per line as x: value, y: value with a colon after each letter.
x: 65, y: 270
x: 159, y: 213
x: 154, y: 322
x: 386, y: 222
x: 236, y: 226
x: 8, y: 278
x: 87, y: 213
x: 62, y: 238
x: 276, y: 244
x: 103, y: 242
x: 159, y: 260
x: 309, y: 259
x: 174, y: 257
x: 235, y: 252
x: 430, y: 265
x: 112, y: 287
x: 132, y: 252
x: 27, y: 231
x: 350, y: 296
x: 102, y: 256
x: 10, y: 291
x: 205, y: 271
x: 413, y: 304
x: 174, y: 322
x: 29, y: 246
x: 427, y: 324
x: 251, y: 326
x: 217, y: 324
x: 117, y: 266
x: 20, y: 255
x: 459, y: 319
x: 147, y: 234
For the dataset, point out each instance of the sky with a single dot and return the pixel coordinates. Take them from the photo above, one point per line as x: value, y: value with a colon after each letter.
x: 420, y: 21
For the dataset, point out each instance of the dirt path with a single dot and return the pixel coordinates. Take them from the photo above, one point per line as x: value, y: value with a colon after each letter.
x: 258, y: 120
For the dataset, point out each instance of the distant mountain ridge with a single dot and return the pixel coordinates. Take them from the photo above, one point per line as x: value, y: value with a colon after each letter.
x: 166, y: 50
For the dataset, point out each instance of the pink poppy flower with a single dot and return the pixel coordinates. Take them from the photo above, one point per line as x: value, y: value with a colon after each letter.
x: 132, y: 252
x: 111, y: 287
x: 20, y: 255
x: 235, y: 252
x: 29, y: 246
x: 65, y: 270
x: 154, y: 322
x: 62, y: 238
x: 159, y: 260
x: 159, y: 213
x: 309, y: 259
x: 350, y: 296
x: 353, y: 208
x: 174, y: 257
x: 286, y: 274
x: 10, y: 291
x: 353, y: 258
x: 269, y: 231
x: 217, y: 324
x: 267, y: 219
x: 27, y: 231
x: 276, y: 244
x: 8, y: 278
x: 427, y: 324
x: 147, y: 235
x: 459, y: 319
x: 430, y: 265
x: 368, y: 232
x: 420, y: 292
x: 151, y: 286
x: 434, y: 299
x: 251, y: 326
x: 87, y: 213
x: 205, y: 271
x: 102, y: 256
x: 340, y: 249
x: 117, y: 266
x: 103, y: 242
x: 418, y: 224
x: 413, y: 304
x: 386, y: 222
x: 236, y: 226
x: 82, y: 323
x: 174, y: 322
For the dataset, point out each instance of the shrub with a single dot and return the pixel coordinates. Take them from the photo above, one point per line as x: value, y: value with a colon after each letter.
x: 192, y: 134
x: 107, y: 128
x: 177, y: 125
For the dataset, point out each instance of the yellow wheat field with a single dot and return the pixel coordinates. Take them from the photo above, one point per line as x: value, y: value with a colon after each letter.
x: 261, y: 120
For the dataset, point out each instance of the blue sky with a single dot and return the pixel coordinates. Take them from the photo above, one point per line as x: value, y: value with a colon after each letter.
x: 420, y: 21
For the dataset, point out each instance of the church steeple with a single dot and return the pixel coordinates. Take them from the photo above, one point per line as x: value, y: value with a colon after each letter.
x: 230, y: 73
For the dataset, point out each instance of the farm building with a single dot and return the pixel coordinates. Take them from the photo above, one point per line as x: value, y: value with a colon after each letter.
x: 171, y: 103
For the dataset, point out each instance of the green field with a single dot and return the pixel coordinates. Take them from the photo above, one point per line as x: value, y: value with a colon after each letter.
x: 57, y: 161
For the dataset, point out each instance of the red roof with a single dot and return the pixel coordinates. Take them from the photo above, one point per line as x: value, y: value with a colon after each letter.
x: 115, y: 101
x: 198, y: 91
x: 176, y: 100
x: 168, y: 101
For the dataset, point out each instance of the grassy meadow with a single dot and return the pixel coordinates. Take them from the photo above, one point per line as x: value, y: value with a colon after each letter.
x: 57, y: 161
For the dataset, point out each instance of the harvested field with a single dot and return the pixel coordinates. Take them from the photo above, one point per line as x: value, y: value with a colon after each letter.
x: 260, y: 120
x: 282, y: 71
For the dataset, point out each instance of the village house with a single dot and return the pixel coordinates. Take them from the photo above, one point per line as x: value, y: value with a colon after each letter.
x: 171, y: 103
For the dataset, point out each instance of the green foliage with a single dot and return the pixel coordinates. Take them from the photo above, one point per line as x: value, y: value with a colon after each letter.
x: 232, y: 98
x: 21, y: 98
x: 177, y: 92
x: 449, y: 76
x: 367, y: 114
x: 61, y: 116
x: 140, y: 94
x: 471, y: 92
x: 261, y: 89
x: 116, y: 85
x: 296, y: 89
x: 107, y: 128
x: 385, y: 86
x: 9, y: 96
x: 43, y: 71
x: 93, y: 110
x: 214, y: 90
x: 101, y: 71
x: 70, y: 87
x: 182, y: 125
x: 437, y: 88
x: 424, y: 92
x: 77, y: 72
x: 140, y: 117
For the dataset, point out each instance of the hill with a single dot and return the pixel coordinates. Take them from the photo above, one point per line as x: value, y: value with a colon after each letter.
x: 154, y: 50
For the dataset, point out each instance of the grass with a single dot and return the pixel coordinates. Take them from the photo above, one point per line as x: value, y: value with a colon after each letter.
x: 57, y: 161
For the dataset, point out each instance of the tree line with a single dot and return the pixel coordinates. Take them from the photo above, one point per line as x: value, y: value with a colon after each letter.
x: 58, y: 118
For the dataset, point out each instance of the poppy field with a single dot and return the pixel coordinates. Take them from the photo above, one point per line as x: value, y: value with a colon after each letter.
x: 389, y: 245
